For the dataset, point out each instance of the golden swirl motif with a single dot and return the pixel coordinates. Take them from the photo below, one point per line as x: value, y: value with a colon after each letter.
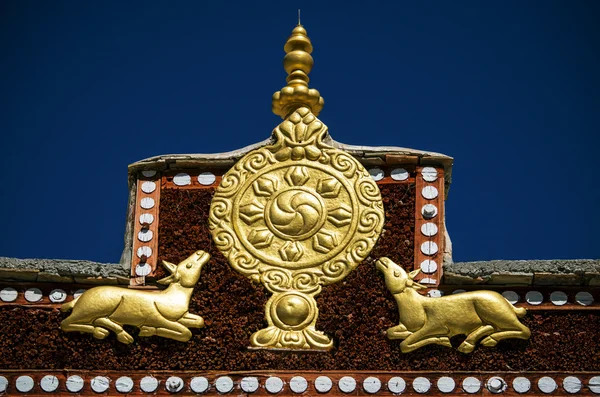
x: 295, y: 214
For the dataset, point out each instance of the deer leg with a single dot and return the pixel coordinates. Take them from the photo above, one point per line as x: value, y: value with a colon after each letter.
x: 70, y: 324
x: 398, y: 332
x: 191, y: 320
x: 425, y: 336
x: 492, y: 340
x: 122, y: 335
x: 469, y: 344
x: 167, y: 329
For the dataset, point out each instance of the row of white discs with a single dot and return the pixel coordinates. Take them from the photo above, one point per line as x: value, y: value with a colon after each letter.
x: 298, y: 384
x: 146, y: 235
x: 33, y: 295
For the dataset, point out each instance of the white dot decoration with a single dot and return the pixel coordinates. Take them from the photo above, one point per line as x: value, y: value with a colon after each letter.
x: 584, y: 298
x: 429, y: 211
x: 428, y: 266
x: 399, y: 174
x: 24, y: 383
x: 144, y: 250
x: 429, y: 174
x: 273, y: 384
x: 429, y: 192
x: 145, y: 235
x: 143, y: 269
x: 496, y: 385
x: 446, y: 384
x: 323, y: 384
x: 427, y: 280
x: 3, y: 384
x: 547, y: 385
x: 429, y: 248
x: 149, y: 173
x: 199, y: 384
x: 471, y: 385
x: 594, y: 384
x: 224, y: 384
x: 49, y: 383
x: 9, y: 294
x: 511, y: 296
x: 124, y: 384
x: 421, y: 385
x: 376, y: 173
x: 78, y: 293
x: 148, y: 384
x: 572, y: 384
x: 74, y: 383
x: 435, y: 293
x: 521, y: 384
x: 347, y: 384
x: 100, y: 384
x: 33, y: 295
x: 298, y: 384
x: 174, y: 384
x: 182, y: 179
x: 429, y: 229
x: 534, y: 297
x: 206, y: 178
x: 148, y: 187
x: 249, y: 384
x: 558, y: 298
x: 396, y: 385
x: 458, y: 291
x: 371, y: 385
x: 57, y: 295
x: 147, y: 203
x: 146, y: 219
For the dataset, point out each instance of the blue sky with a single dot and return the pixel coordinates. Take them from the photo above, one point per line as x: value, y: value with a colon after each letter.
x: 510, y: 89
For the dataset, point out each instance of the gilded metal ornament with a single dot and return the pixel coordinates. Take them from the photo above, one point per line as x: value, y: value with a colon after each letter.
x: 425, y: 320
x: 163, y: 313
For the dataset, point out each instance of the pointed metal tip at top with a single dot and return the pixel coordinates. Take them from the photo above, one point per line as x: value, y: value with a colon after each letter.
x: 299, y: 24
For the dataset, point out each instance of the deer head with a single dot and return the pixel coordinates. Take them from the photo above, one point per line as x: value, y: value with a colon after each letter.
x: 396, y: 279
x: 187, y: 272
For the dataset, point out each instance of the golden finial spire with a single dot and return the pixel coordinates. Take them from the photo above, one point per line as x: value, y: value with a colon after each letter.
x: 297, y: 63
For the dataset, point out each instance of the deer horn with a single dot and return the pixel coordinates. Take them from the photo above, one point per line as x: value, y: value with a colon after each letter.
x: 413, y: 274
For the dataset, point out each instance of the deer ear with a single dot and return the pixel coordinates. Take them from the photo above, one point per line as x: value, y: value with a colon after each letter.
x: 413, y: 274
x: 169, y: 266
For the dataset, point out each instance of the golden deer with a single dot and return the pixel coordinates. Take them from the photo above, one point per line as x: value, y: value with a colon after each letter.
x: 163, y: 313
x: 425, y: 320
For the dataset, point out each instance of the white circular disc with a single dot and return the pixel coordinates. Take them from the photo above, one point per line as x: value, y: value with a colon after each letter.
x: 124, y: 384
x: 428, y: 266
x: 206, y: 178
x: 323, y: 384
x: 521, y: 384
x: 396, y: 385
x: 347, y: 384
x: 148, y: 187
x: 558, y: 298
x: 376, y: 173
x: 594, y: 384
x: 399, y: 174
x: 57, y: 295
x: 427, y: 280
x: 429, y: 229
x: 24, y: 383
x: 74, y: 383
x: 3, y: 384
x: 511, y: 296
x: 547, y: 384
x: 496, y: 385
x: 49, y: 383
x: 572, y: 384
x: 421, y: 385
x: 100, y: 384
x: 429, y: 211
x: 149, y: 173
x: 471, y: 385
x: 371, y: 385
x: 9, y: 294
x: 33, y: 295
x: 429, y: 248
x: 78, y: 293
x: 145, y: 235
x: 458, y: 291
x: 146, y: 219
x: 147, y: 203
x: 429, y: 192
x: 534, y: 297
x: 249, y: 384
x: 274, y: 384
x: 174, y: 384
x: 182, y: 179
x: 584, y: 298
x: 429, y: 174
x: 144, y: 250
x: 224, y: 384
x: 298, y: 384
x: 143, y: 269
x: 446, y: 384
x: 435, y: 293
x: 148, y: 384
x: 199, y: 384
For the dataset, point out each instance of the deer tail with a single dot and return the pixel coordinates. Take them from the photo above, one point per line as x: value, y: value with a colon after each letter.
x: 69, y: 305
x: 520, y: 311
